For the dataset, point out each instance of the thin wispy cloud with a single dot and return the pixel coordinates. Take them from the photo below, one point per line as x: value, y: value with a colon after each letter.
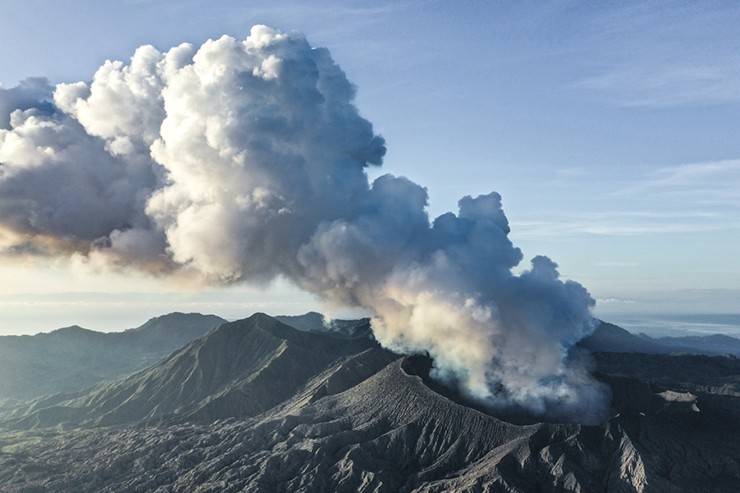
x: 712, y: 182
x: 621, y: 223
x: 613, y: 263
x: 669, y: 85
x: 668, y: 54
x: 688, y: 198
x: 614, y: 301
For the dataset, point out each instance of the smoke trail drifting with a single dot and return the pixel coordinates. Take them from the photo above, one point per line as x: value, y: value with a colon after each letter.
x: 240, y: 161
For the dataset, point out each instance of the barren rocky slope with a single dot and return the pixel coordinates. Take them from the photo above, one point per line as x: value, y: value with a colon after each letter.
x: 366, y: 420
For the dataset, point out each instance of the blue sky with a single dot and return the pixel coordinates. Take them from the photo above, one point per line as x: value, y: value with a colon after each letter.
x: 610, y: 129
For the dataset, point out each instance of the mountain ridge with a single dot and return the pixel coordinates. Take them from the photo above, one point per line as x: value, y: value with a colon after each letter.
x: 611, y: 338
x: 216, y: 376
x: 256, y: 405
x: 72, y: 358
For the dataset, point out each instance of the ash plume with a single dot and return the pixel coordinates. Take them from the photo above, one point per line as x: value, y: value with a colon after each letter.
x: 244, y: 160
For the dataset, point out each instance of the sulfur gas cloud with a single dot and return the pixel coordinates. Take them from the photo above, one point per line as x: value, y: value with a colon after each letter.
x: 239, y: 161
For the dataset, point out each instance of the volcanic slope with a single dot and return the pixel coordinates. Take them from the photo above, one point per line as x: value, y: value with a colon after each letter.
x: 239, y: 369
x: 73, y: 358
x: 341, y: 414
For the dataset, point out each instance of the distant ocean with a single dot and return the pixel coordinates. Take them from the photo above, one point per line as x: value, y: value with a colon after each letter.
x: 694, y: 324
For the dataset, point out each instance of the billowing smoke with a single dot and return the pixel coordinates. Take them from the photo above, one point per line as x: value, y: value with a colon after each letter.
x: 240, y: 161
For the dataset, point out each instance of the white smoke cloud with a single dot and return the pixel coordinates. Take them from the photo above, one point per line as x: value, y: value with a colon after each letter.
x: 241, y: 161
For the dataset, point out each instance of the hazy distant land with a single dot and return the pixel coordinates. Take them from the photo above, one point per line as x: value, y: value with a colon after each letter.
x: 692, y: 324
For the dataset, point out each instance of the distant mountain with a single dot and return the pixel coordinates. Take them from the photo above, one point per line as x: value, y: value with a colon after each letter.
x: 239, y: 369
x: 709, y: 344
x: 260, y: 406
x: 73, y: 358
x: 311, y: 321
x: 315, y: 322
x: 611, y: 338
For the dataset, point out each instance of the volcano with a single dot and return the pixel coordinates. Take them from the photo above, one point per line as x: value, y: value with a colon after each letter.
x: 258, y: 405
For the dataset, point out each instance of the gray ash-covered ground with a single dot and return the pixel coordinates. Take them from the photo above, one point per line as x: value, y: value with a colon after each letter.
x: 259, y: 406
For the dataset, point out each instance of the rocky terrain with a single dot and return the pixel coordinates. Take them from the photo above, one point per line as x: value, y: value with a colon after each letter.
x: 257, y: 405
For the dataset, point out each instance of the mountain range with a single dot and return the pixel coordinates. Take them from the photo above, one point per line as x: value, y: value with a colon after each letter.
x: 259, y: 405
x: 611, y: 338
x: 73, y: 358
